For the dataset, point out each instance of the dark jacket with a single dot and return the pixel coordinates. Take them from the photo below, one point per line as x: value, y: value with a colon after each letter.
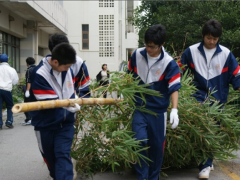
x: 99, y: 76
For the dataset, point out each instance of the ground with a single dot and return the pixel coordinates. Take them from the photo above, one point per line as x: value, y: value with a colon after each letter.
x: 21, y: 160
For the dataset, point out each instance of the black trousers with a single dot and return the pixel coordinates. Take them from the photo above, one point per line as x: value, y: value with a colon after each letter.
x: 104, y: 83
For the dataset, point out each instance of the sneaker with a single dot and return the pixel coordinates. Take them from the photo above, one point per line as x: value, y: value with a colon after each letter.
x: 26, y: 123
x: 212, y: 168
x: 9, y: 126
x: 29, y: 122
x: 204, y: 174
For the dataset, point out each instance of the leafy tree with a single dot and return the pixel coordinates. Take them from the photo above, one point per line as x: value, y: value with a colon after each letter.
x: 184, y: 20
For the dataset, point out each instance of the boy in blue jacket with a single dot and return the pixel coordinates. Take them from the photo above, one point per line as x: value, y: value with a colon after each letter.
x: 214, y: 67
x: 154, y: 66
x: 80, y: 71
x: 53, y: 79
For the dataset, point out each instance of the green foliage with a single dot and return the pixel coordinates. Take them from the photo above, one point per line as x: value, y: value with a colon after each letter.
x: 199, y: 134
x: 104, y: 139
x: 184, y: 20
x: 17, y: 92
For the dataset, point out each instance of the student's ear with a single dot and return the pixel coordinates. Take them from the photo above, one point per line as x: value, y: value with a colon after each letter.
x: 55, y: 62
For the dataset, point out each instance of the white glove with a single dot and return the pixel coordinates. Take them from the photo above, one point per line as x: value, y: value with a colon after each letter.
x: 27, y: 94
x: 76, y: 96
x: 74, y: 109
x: 174, y: 120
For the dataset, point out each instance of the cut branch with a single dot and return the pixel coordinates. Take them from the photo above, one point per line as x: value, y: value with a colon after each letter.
x: 40, y: 105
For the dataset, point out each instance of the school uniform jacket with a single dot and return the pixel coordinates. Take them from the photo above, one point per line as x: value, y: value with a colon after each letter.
x: 163, y: 75
x: 81, y: 77
x: 223, y: 69
x: 44, y: 86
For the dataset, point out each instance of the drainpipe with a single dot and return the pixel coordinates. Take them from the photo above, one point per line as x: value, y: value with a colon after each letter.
x: 36, y: 42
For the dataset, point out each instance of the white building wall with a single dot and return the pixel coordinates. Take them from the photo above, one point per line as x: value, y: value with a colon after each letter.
x: 53, y: 11
x: 11, y: 23
x: 32, y: 22
x: 87, y: 12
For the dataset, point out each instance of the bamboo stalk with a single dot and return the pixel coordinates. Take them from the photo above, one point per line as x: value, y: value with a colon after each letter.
x: 40, y: 105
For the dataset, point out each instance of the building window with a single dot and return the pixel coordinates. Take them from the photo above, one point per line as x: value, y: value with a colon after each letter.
x: 106, y: 35
x: 106, y: 3
x: 10, y: 45
x: 85, y: 36
x: 41, y: 51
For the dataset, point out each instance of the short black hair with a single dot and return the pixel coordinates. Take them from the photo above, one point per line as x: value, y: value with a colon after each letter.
x: 56, y: 39
x: 103, y: 65
x: 64, y: 53
x: 155, y: 34
x: 30, y: 60
x: 212, y: 27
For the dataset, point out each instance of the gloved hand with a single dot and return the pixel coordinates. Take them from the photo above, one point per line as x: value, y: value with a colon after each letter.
x: 27, y: 94
x: 174, y: 120
x: 74, y: 109
x: 76, y: 96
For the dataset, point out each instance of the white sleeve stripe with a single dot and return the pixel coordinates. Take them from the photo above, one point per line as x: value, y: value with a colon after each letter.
x: 174, y: 82
x: 85, y: 85
x: 45, y: 96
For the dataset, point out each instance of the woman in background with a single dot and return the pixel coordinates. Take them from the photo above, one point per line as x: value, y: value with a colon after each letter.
x: 102, y: 76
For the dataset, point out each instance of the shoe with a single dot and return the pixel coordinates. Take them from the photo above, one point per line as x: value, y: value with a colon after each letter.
x: 9, y: 126
x: 26, y: 123
x: 204, y: 174
x: 29, y: 122
x: 0, y: 127
x: 212, y: 168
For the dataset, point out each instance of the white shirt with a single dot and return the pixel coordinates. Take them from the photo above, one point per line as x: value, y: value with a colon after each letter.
x: 8, y: 76
x: 209, y: 54
x: 104, y: 75
x: 152, y: 60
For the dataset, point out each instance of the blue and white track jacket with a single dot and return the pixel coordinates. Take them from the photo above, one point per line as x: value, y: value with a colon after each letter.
x: 223, y: 69
x: 44, y: 86
x: 81, y: 77
x: 163, y: 75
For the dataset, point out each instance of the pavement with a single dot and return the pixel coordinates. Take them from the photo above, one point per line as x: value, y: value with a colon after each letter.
x: 20, y: 159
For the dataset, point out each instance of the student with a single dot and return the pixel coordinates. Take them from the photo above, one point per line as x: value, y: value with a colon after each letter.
x: 31, y: 65
x: 53, y: 79
x: 80, y: 71
x: 155, y: 67
x: 8, y: 78
x: 214, y: 67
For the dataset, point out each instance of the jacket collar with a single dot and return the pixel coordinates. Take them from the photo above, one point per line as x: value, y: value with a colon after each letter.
x: 200, y: 48
x: 49, y: 67
x: 32, y: 65
x: 144, y: 53
x: 4, y: 63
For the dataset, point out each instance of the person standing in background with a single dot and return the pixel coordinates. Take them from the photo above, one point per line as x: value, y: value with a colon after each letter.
x: 102, y: 76
x: 8, y: 78
x: 31, y: 65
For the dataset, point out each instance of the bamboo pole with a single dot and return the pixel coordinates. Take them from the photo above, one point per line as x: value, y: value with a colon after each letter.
x: 40, y: 105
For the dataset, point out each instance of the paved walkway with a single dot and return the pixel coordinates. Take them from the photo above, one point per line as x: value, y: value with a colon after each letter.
x: 20, y: 159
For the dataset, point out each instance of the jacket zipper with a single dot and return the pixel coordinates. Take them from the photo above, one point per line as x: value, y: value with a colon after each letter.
x: 149, y: 70
x: 62, y: 97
